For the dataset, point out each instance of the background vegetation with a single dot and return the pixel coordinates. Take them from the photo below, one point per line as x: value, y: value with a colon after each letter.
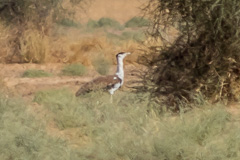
x: 25, y: 16
x: 74, y: 70
x: 31, y: 73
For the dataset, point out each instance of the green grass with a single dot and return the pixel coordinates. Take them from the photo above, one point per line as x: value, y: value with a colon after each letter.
x: 33, y: 73
x: 24, y: 137
x: 130, y: 129
x: 92, y: 24
x: 101, y: 65
x: 137, y: 22
x: 74, y: 70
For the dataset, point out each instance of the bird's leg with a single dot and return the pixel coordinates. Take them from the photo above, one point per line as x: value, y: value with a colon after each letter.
x: 111, y: 98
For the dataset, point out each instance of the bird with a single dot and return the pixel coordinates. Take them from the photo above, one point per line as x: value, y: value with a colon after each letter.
x: 109, y: 82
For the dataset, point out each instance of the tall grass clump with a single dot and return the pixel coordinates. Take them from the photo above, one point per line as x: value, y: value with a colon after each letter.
x: 203, y: 58
x: 24, y: 137
x: 137, y: 22
x: 34, y: 46
x: 28, y: 42
x: 32, y: 73
x: 129, y: 128
x: 74, y: 70
x: 102, y: 65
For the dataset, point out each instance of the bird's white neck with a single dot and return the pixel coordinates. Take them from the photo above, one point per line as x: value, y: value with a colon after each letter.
x: 120, y: 71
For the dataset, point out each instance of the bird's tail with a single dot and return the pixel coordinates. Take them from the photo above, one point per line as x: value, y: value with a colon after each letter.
x: 78, y: 93
x: 84, y: 89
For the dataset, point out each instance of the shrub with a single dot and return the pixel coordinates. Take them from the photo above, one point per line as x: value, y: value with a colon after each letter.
x: 137, y: 22
x: 69, y: 23
x: 101, y: 65
x: 108, y: 22
x: 203, y: 58
x: 40, y: 15
x: 92, y: 24
x: 74, y: 70
x: 32, y: 73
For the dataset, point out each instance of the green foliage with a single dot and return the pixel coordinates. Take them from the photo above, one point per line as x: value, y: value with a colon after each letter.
x: 101, y: 65
x: 92, y: 24
x: 32, y: 73
x: 205, y: 55
x: 104, y: 23
x: 24, y: 137
x: 69, y: 23
x: 74, y: 70
x: 108, y: 22
x: 137, y: 22
x: 129, y: 128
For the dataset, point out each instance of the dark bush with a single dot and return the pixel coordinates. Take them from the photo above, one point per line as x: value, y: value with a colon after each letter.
x: 203, y: 58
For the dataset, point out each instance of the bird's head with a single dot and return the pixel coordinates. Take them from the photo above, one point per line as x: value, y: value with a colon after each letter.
x: 122, y: 55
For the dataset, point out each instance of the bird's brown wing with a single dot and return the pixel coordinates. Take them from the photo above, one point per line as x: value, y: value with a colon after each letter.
x: 104, y: 82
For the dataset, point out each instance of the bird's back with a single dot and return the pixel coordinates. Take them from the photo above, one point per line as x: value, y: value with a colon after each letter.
x: 104, y: 82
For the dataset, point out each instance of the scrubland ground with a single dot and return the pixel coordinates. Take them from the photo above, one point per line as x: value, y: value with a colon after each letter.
x: 40, y: 118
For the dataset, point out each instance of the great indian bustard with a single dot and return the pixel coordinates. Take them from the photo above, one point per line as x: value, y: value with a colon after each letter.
x: 110, y: 82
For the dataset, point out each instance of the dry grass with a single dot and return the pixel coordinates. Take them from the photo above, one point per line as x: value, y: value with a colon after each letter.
x: 5, y: 42
x: 69, y: 44
x: 86, y: 50
x: 34, y: 46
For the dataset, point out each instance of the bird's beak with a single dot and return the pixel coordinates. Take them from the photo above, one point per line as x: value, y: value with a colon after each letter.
x: 128, y: 53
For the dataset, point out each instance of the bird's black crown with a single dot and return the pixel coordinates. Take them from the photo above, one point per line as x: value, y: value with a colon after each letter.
x: 120, y: 53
